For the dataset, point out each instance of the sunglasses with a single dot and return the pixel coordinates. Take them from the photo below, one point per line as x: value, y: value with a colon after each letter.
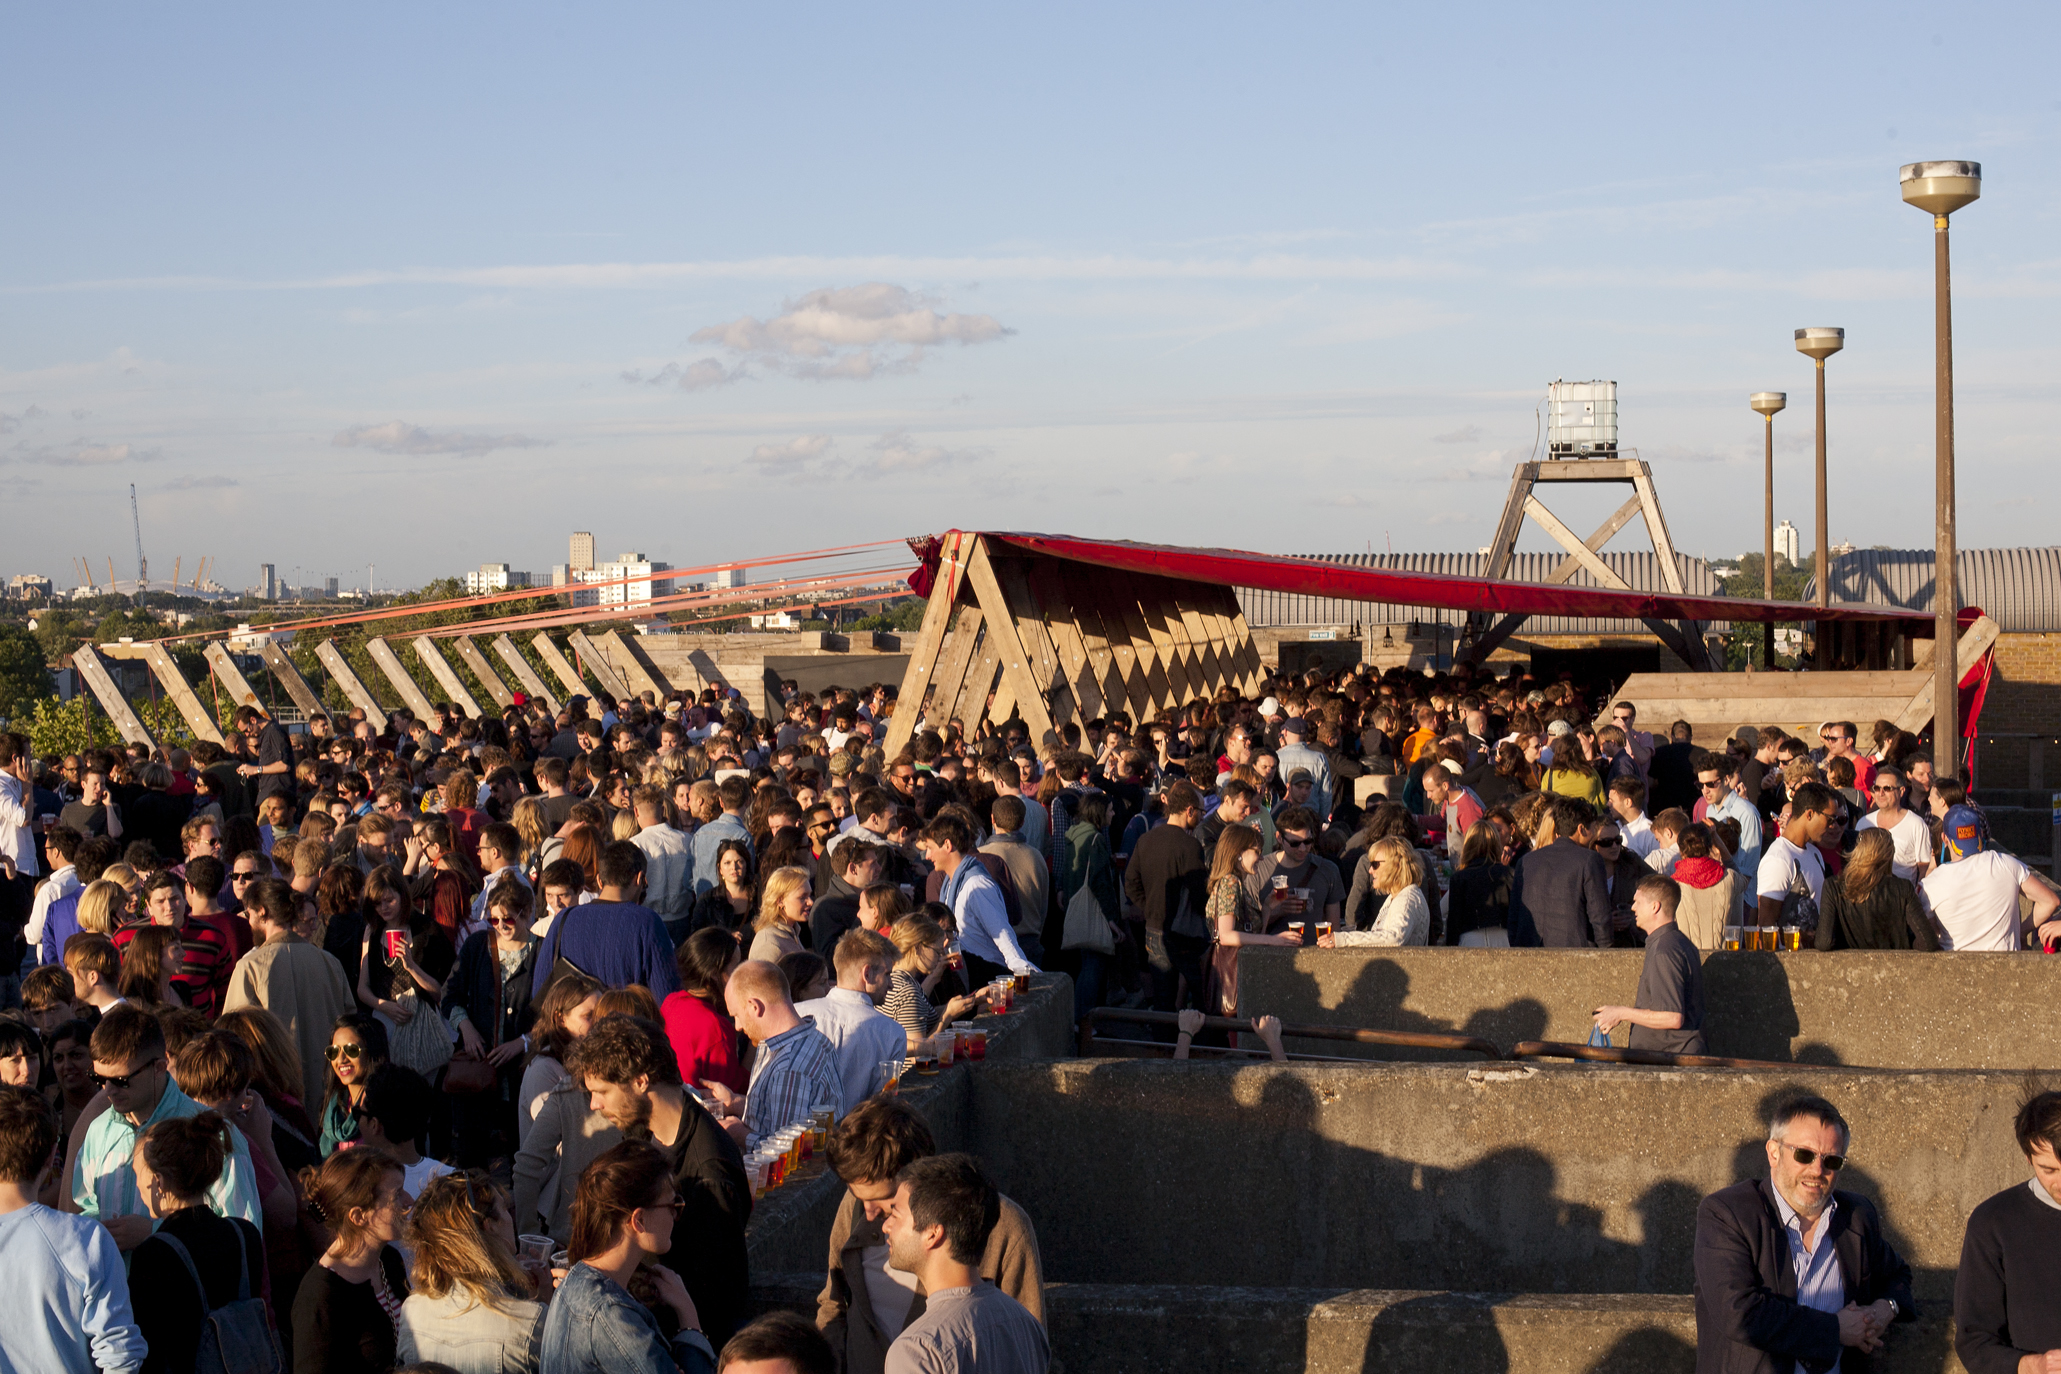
x: 241, y: 877
x: 1290, y: 842
x: 1712, y: 784
x: 351, y: 1052
x: 1832, y: 1163
x: 1610, y: 844
x: 112, y: 1080
x: 1885, y: 789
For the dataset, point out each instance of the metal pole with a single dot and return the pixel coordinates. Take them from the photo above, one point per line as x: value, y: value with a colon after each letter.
x: 1946, y: 678
x: 1824, y: 568
x: 1767, y: 557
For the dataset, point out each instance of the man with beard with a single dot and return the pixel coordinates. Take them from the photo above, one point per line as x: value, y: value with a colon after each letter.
x: 633, y: 1079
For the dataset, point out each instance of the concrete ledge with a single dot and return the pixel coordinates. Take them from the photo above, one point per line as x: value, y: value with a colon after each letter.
x: 1199, y: 1329
x: 1560, y: 1178
x: 1881, y: 1009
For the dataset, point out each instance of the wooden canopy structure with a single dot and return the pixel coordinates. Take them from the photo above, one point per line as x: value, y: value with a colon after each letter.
x: 1057, y: 639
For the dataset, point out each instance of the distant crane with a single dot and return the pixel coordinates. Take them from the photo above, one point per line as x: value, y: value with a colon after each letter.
x: 142, y: 563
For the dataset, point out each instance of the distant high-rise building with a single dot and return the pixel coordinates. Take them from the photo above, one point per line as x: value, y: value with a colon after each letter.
x: 495, y: 577
x: 269, y: 579
x: 633, y: 571
x: 329, y: 588
x: 582, y: 559
x: 727, y: 578
x: 1789, y: 543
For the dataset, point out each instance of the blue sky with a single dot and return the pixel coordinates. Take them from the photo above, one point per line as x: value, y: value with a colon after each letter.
x: 431, y: 289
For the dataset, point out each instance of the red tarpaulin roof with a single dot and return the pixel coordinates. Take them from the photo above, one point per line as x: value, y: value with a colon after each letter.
x: 1237, y: 568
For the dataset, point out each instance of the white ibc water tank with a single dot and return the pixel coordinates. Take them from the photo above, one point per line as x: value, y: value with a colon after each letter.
x: 1581, y: 420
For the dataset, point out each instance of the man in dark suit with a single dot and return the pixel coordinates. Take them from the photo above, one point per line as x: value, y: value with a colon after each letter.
x: 1791, y: 1273
x: 1560, y: 896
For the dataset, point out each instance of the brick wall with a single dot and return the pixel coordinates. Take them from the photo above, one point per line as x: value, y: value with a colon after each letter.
x: 2024, y: 699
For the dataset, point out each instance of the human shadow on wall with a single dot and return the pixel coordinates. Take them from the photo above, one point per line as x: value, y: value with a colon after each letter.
x: 1648, y: 1350
x: 1749, y: 1009
x: 1454, y: 1333
x: 1376, y: 1001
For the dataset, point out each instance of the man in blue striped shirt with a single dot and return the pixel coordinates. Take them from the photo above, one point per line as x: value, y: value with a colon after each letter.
x: 129, y: 1061
x: 795, y: 1071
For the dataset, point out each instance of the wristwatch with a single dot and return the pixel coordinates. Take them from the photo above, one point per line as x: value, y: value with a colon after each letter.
x: 1894, y: 1310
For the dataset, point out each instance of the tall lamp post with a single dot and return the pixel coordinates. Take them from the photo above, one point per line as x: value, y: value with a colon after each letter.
x: 1939, y: 189
x: 1767, y: 404
x: 1820, y: 344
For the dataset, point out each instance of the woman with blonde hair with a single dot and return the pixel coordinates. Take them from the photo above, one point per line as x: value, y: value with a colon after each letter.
x: 1867, y: 906
x: 1395, y: 874
x: 471, y: 1305
x: 530, y: 823
x: 103, y: 905
x: 920, y: 943
x: 782, y: 911
x: 278, y: 1068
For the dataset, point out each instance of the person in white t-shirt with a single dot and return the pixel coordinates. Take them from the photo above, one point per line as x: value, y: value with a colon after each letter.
x: 1627, y: 802
x: 1791, y: 878
x: 1973, y: 894
x: 1907, y: 831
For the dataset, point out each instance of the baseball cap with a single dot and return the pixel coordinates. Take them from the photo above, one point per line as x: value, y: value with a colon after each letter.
x: 519, y: 698
x: 1301, y: 775
x: 1559, y: 728
x: 1294, y: 726
x: 1270, y: 707
x: 1960, y: 832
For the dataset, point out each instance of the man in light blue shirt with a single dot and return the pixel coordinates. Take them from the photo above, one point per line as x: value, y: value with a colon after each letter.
x: 867, y: 1040
x: 65, y: 1305
x: 1294, y: 754
x: 1717, y: 775
x: 129, y: 1061
x: 985, y: 936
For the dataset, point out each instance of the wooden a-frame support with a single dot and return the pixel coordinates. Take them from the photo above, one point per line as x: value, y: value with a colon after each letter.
x: 1685, y: 640
x: 1050, y: 642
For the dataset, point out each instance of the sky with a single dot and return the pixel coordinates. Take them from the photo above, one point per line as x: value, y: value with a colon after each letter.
x: 421, y: 287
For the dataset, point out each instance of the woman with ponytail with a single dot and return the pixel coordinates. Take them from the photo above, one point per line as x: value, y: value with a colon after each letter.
x: 177, y: 1161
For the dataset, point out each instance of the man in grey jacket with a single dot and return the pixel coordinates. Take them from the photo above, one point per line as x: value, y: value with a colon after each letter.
x: 1295, y: 753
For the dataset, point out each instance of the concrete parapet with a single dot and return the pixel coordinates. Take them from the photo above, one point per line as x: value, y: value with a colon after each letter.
x: 1512, y: 1178
x: 1881, y: 1009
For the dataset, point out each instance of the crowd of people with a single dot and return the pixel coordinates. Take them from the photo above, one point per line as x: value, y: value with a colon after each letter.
x: 467, y: 1042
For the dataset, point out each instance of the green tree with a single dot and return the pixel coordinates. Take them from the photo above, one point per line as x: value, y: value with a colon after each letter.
x: 24, y: 672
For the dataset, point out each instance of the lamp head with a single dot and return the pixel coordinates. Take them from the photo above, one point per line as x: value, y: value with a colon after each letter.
x: 1768, y: 402
x: 1820, y: 343
x: 1940, y: 188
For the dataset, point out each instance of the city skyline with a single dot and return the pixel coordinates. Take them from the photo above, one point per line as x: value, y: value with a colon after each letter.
x: 1297, y: 287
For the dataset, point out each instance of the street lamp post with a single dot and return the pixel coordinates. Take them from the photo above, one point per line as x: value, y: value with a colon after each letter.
x: 1939, y: 189
x: 1820, y: 344
x: 1768, y: 404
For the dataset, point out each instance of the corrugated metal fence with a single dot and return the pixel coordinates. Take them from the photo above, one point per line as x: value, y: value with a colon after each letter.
x: 1640, y: 570
x: 2020, y: 589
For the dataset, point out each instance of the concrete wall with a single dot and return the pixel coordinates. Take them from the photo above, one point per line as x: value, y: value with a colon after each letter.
x: 1882, y: 1009
x: 753, y: 663
x: 1549, y: 1179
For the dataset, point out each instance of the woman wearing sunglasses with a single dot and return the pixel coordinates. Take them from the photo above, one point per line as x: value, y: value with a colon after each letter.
x: 357, y: 1046
x: 488, y: 1000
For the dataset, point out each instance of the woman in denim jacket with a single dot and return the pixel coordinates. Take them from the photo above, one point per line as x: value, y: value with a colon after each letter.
x: 622, y: 1219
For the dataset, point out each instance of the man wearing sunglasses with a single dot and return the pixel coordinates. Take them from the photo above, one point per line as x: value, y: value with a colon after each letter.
x: 1716, y: 774
x: 1791, y: 1271
x: 130, y: 1065
x: 1911, y: 836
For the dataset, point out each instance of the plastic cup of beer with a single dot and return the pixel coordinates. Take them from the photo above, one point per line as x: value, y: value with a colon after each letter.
x: 1732, y: 934
x: 926, y: 1061
x: 947, y: 1043
x: 1323, y: 929
x: 1295, y: 928
x: 1019, y: 985
x: 890, y: 1072
x: 1792, y: 938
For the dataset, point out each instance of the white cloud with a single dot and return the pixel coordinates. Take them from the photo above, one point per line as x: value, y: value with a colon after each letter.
x: 791, y: 457
x: 897, y: 453
x: 415, y: 441
x: 10, y: 423
x: 834, y: 334
x: 80, y: 454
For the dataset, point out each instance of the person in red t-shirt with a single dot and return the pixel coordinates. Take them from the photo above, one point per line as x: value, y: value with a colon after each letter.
x: 703, y: 1037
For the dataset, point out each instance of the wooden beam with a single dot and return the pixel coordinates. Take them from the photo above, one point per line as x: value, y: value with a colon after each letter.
x: 440, y: 669
x: 241, y: 693
x: 389, y: 663
x: 1146, y: 675
x: 634, y: 669
x: 1656, y: 529
x: 1687, y: 642
x: 509, y: 654
x: 484, y: 671
x: 1491, y: 639
x: 1064, y: 621
x: 1110, y: 691
x: 1047, y: 672
x: 1019, y: 673
x: 921, y: 673
x: 1605, y: 532
x: 1504, y: 545
x: 177, y: 689
x: 346, y: 677
x: 1975, y: 641
x: 949, y: 684
x: 597, y: 666
x: 124, y: 716
x: 557, y: 662
x: 1565, y: 537
x: 289, y: 676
